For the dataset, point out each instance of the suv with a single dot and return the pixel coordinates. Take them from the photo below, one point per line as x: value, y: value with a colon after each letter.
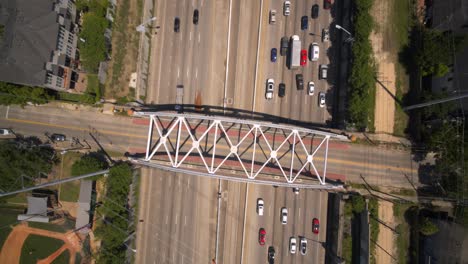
x: 273, y: 16
x: 287, y: 8
x: 299, y: 82
x: 284, y: 215
x: 58, y: 137
x: 282, y: 90
x: 303, y: 245
x: 271, y: 255
x: 323, y: 71
x: 325, y: 35
x: 284, y: 46
x: 4, y: 131
x: 314, y: 51
x: 260, y: 206
x: 269, y: 89
x: 195, y: 16
x: 176, y: 24
x: 273, y: 55
x: 315, y: 11
x: 304, y: 23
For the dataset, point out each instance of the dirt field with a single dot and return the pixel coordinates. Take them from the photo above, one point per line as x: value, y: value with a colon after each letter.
x: 11, y: 250
x: 385, y: 59
x: 386, y: 238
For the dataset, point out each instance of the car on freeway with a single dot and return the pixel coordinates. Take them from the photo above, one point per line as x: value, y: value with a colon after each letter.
x: 325, y: 35
x: 327, y: 4
x: 299, y: 82
x: 271, y: 255
x: 284, y: 215
x: 282, y: 90
x: 315, y: 226
x: 58, y: 137
x: 314, y: 51
x: 273, y: 16
x: 270, y: 88
x: 195, y: 16
x: 304, y: 23
x: 261, y: 236
x: 260, y: 206
x: 273, y: 55
x: 5, y: 132
x: 296, y: 190
x: 287, y: 8
x: 284, y: 46
x: 315, y: 11
x: 323, y: 71
x: 322, y: 99
x: 303, y: 245
x: 311, y: 88
x: 292, y: 245
x: 303, y: 57
x: 176, y: 24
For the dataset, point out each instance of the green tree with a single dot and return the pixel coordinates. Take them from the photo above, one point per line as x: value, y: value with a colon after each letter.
x: 359, y: 204
x: 92, y: 162
x: 427, y: 227
x: 440, y: 69
x: 24, y: 157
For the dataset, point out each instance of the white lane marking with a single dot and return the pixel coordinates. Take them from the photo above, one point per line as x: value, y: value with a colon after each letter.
x: 188, y: 182
x: 199, y: 38
x: 7, y: 111
x: 299, y: 212
x: 167, y: 219
x: 196, y: 73
x: 190, y: 35
x: 257, y: 55
x: 180, y: 36
x: 227, y: 55
x: 178, y: 181
x: 187, y: 72
x: 176, y: 217
x: 178, y: 72
x: 201, y: 2
x: 185, y: 220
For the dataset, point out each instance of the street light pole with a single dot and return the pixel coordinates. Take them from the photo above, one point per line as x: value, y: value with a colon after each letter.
x: 142, y: 27
x: 351, y: 38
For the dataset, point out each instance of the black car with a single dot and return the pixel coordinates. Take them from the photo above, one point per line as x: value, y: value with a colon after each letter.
x: 299, y: 82
x: 315, y: 11
x: 58, y: 137
x: 271, y: 255
x: 176, y: 24
x: 284, y: 46
x: 282, y: 90
x: 195, y: 17
x: 304, y: 23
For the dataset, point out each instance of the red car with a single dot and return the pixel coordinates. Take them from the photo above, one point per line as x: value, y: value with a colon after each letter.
x: 315, y: 226
x: 261, y: 236
x: 303, y: 57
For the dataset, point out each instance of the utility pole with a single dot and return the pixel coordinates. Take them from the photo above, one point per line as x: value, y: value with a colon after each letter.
x: 434, y: 102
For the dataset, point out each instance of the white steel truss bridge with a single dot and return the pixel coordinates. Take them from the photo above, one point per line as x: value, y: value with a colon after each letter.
x: 238, y: 150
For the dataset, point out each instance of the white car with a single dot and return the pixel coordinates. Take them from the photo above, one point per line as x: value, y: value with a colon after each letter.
x: 284, y: 215
x: 315, y: 51
x: 325, y: 35
x: 269, y: 89
x: 5, y: 132
x: 260, y: 206
x: 311, y: 89
x: 273, y: 16
x: 292, y: 245
x: 303, y: 245
x: 296, y: 190
x: 287, y: 8
x: 322, y: 99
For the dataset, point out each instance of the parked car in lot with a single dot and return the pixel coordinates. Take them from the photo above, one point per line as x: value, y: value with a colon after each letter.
x: 273, y: 55
x: 314, y: 51
x: 271, y: 255
x: 311, y: 88
x: 315, y: 11
x: 260, y: 206
x: 58, y: 137
x: 303, y: 245
x: 322, y: 99
x: 315, y: 226
x: 176, y: 24
x: 269, y: 88
x: 303, y: 57
x: 292, y: 245
x: 273, y: 16
x: 299, y: 82
x: 327, y: 4
x: 325, y: 35
x: 284, y: 46
x: 282, y: 90
x: 261, y: 236
x: 5, y: 132
x: 195, y: 16
x: 304, y: 23
x: 284, y: 215
x: 323, y: 71
x: 287, y: 8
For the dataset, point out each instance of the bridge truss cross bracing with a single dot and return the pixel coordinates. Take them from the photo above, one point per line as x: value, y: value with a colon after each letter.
x: 239, y: 150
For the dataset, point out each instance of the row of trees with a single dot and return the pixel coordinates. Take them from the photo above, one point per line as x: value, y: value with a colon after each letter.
x: 18, y: 94
x: 362, y: 79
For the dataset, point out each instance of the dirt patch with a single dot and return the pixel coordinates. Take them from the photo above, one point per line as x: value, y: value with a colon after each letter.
x: 11, y: 250
x: 70, y: 207
x: 385, y: 59
x: 385, y: 251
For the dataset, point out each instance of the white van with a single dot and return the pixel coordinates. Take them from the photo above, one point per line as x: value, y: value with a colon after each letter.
x: 314, y: 53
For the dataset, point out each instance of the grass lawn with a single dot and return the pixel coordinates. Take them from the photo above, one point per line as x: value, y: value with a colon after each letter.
x: 403, y: 237
x: 64, y: 258
x: 19, y: 198
x: 59, y: 228
x: 8, y: 219
x: 69, y: 191
x: 401, y: 22
x: 38, y: 247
